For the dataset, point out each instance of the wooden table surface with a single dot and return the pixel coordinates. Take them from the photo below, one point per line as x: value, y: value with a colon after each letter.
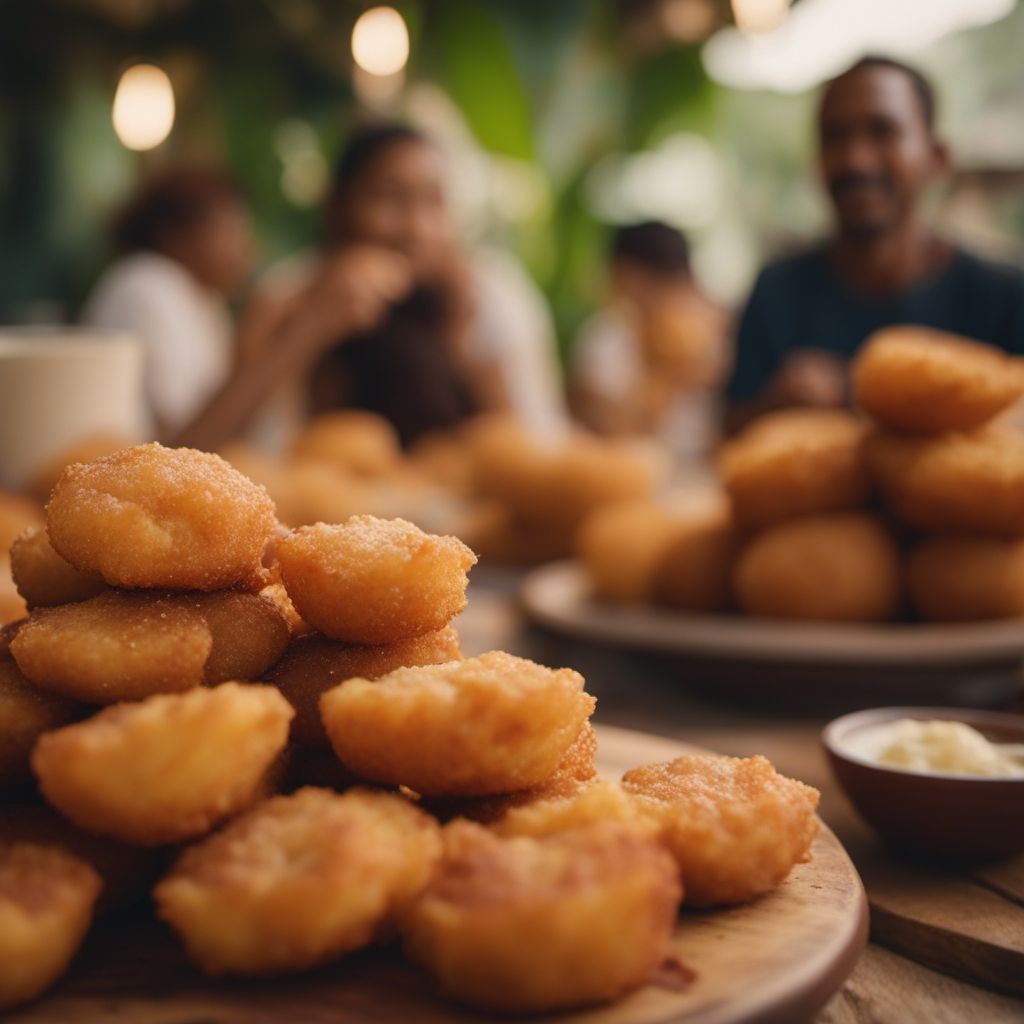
x: 889, y: 984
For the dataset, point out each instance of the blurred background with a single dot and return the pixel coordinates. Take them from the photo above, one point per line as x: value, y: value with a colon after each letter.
x: 557, y: 121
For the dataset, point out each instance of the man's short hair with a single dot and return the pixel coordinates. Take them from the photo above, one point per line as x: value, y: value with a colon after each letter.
x: 653, y: 245
x: 922, y: 87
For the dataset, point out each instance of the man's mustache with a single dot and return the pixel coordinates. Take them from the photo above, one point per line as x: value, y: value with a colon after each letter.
x: 843, y: 183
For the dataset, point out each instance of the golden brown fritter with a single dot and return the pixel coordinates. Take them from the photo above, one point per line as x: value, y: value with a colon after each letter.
x: 485, y: 725
x: 44, y: 578
x: 374, y: 581
x: 160, y: 517
x: 735, y: 826
x: 694, y: 573
x: 360, y: 442
x: 528, y: 925
x: 299, y: 880
x: 168, y: 768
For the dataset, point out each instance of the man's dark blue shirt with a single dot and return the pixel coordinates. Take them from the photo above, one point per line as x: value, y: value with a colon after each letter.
x: 801, y: 303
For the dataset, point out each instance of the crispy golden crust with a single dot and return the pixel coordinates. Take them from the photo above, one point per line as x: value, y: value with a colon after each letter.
x: 116, y: 646
x: 44, y: 578
x: 735, y: 826
x: 314, y: 664
x: 374, y: 581
x: 917, y: 379
x: 359, y: 442
x: 795, y: 463
x: 168, y: 768
x: 299, y: 880
x: 962, y: 579
x: 486, y: 725
x: 843, y: 567
x: 26, y: 712
x: 46, y: 901
x: 151, y: 516
x: 528, y: 925
x: 971, y: 483
x: 596, y: 802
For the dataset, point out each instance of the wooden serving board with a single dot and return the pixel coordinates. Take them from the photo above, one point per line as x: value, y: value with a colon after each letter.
x: 774, y: 961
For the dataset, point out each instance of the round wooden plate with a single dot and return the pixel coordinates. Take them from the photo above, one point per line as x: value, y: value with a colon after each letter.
x: 774, y: 961
x: 558, y: 596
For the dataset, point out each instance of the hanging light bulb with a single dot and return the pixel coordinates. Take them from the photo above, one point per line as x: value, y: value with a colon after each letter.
x: 380, y: 41
x: 143, y: 112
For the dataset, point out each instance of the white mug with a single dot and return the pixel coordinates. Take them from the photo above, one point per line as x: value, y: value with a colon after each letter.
x: 60, y: 386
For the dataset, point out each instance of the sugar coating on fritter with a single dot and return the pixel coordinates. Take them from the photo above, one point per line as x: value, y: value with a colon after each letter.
x: 168, y: 768
x: 486, y: 725
x: 46, y: 901
x: 116, y: 646
x: 299, y: 880
x: 160, y: 517
x: 917, y: 379
x: 526, y: 925
x: 736, y: 826
x: 843, y: 567
x: 970, y: 483
x: 44, y: 578
x: 26, y: 712
x: 314, y: 664
x: 794, y: 463
x: 374, y: 581
x: 598, y: 801
x: 964, y: 579
x: 359, y: 442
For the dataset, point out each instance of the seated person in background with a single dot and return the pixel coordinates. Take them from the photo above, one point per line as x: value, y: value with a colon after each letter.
x: 653, y: 361
x: 456, y: 338
x: 878, y: 154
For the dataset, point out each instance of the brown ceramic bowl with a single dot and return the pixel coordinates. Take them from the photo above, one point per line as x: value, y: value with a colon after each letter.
x: 959, y: 817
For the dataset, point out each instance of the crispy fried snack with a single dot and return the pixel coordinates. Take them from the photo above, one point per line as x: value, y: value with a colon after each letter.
x: 486, y: 725
x: 914, y: 378
x: 8, y: 632
x: 598, y: 801
x: 374, y: 581
x: 843, y: 567
x: 116, y: 646
x: 46, y: 901
x: 314, y: 664
x: 735, y: 826
x: 299, y: 880
x: 528, y: 925
x: 694, y: 573
x: 794, y: 463
x: 360, y: 442
x: 161, y: 517
x: 964, y: 579
x: 26, y: 712
x: 972, y: 483
x: 44, y: 578
x: 249, y: 633
x: 168, y: 768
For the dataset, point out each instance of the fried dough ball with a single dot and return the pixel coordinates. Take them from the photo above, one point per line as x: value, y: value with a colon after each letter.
x: 168, y: 768
x: 116, y: 646
x: 17, y: 514
x: 361, y: 442
x: 26, y: 712
x: 8, y: 632
x: 443, y: 458
x: 965, y: 579
x: 795, y: 462
x: 249, y: 633
x: 486, y: 725
x: 297, y: 625
x: 12, y: 604
x: 918, y: 379
x: 495, y: 534
x: 527, y: 925
x: 314, y: 664
x: 161, y: 517
x: 971, y: 483
x: 735, y: 825
x: 299, y: 880
x: 44, y: 578
x: 314, y: 492
x: 599, y: 801
x: 694, y: 573
x: 374, y: 581
x: 838, y: 568
x: 46, y: 901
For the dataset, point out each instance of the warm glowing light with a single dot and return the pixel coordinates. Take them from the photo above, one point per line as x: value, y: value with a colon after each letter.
x: 759, y: 15
x: 380, y: 41
x: 143, y: 107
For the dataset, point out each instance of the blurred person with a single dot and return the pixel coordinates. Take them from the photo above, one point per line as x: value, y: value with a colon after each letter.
x: 654, y: 360
x: 464, y: 335
x: 879, y: 156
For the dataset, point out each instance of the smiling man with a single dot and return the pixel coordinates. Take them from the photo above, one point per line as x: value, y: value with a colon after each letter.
x: 807, y: 315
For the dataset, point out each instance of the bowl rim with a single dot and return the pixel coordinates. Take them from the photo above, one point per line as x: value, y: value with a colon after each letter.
x: 835, y: 731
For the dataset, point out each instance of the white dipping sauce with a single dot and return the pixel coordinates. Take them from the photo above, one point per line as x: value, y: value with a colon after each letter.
x: 936, y: 746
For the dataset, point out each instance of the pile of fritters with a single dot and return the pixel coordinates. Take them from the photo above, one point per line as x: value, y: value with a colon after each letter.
x: 293, y: 709
x: 839, y: 517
